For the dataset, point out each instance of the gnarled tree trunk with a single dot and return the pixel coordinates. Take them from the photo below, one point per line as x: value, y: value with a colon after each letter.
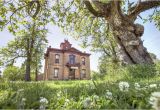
x: 131, y: 46
x: 126, y: 33
x: 128, y: 36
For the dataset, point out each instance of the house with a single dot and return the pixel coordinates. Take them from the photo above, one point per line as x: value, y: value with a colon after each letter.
x: 66, y: 63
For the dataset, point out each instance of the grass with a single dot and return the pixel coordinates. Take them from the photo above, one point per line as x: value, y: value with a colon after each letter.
x: 83, y: 94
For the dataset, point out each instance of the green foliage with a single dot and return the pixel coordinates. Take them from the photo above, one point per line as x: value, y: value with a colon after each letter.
x: 86, y: 94
x: 95, y: 75
x: 108, y: 63
x: 75, y: 95
x: 13, y: 73
x: 141, y: 71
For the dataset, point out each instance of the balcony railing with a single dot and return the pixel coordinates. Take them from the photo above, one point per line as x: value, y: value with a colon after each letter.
x: 74, y: 65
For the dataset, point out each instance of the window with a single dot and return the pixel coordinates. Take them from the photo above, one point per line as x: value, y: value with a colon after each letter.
x: 72, y: 59
x: 56, y: 71
x: 83, y: 61
x: 83, y: 73
x: 57, y: 57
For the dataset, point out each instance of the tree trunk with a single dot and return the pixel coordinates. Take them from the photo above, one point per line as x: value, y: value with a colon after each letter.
x: 128, y: 37
x: 28, y: 63
x: 28, y: 69
x: 126, y: 32
x: 36, y: 74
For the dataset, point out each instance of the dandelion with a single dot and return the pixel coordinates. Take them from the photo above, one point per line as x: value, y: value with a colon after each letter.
x: 43, y: 102
x: 87, y: 102
x: 109, y: 95
x: 137, y: 86
x: 155, y: 100
x: 153, y: 85
x: 123, y: 86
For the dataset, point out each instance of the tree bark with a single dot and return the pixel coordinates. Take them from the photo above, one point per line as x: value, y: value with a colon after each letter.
x: 128, y: 36
x: 36, y: 74
x: 126, y: 33
x: 131, y: 46
x: 28, y: 62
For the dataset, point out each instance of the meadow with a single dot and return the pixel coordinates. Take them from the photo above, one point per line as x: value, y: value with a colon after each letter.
x: 119, y: 89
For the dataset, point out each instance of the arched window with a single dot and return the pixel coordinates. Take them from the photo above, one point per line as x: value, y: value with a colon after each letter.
x: 83, y: 61
x: 72, y: 59
x: 57, y: 57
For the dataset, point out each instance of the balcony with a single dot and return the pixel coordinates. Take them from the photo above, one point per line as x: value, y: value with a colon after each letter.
x: 73, y: 65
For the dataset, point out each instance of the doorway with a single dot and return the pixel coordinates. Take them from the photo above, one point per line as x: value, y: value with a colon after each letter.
x: 71, y: 73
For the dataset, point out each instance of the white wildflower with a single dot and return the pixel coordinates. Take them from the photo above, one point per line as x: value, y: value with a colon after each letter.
x: 87, y: 102
x: 123, y: 86
x: 153, y: 85
x: 96, y: 97
x: 43, y: 102
x: 92, y: 86
x: 20, y: 90
x: 22, y: 103
x: 137, y: 86
x: 23, y: 99
x: 155, y: 100
x: 66, y: 102
x: 109, y: 95
x: 59, y: 94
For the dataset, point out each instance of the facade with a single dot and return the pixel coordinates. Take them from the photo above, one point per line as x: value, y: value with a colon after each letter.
x: 66, y: 63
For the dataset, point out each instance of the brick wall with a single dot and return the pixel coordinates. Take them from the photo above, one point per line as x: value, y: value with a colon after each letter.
x: 63, y: 69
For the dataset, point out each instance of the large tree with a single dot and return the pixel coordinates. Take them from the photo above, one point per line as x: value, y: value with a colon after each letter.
x: 29, y: 47
x: 125, y: 31
x: 90, y: 19
x: 29, y: 30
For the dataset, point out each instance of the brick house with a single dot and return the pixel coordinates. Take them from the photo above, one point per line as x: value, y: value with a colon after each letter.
x: 66, y: 63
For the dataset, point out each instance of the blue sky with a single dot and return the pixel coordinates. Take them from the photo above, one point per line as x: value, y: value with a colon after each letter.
x: 55, y: 36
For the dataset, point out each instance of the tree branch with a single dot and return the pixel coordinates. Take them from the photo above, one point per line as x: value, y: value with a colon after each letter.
x: 141, y: 7
x: 103, y: 8
x: 92, y: 10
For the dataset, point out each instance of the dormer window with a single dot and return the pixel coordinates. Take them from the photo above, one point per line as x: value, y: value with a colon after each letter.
x: 83, y: 61
x: 57, y: 57
x: 72, y: 59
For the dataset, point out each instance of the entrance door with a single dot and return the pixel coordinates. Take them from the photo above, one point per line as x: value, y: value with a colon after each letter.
x: 71, y: 73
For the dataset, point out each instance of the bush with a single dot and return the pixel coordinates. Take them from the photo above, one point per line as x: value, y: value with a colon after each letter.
x: 141, y: 71
x: 96, y: 75
x: 13, y: 73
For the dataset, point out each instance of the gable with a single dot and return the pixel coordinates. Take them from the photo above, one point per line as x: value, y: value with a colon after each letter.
x: 74, y: 49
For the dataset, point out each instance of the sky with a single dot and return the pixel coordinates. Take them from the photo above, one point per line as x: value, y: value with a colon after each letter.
x: 151, y: 38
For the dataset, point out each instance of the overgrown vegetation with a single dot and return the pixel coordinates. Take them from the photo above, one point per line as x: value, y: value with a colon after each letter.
x: 117, y: 85
x: 119, y: 89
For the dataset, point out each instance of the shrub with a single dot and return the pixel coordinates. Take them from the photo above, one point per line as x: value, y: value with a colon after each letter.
x: 141, y: 71
x: 13, y: 73
x: 96, y: 75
